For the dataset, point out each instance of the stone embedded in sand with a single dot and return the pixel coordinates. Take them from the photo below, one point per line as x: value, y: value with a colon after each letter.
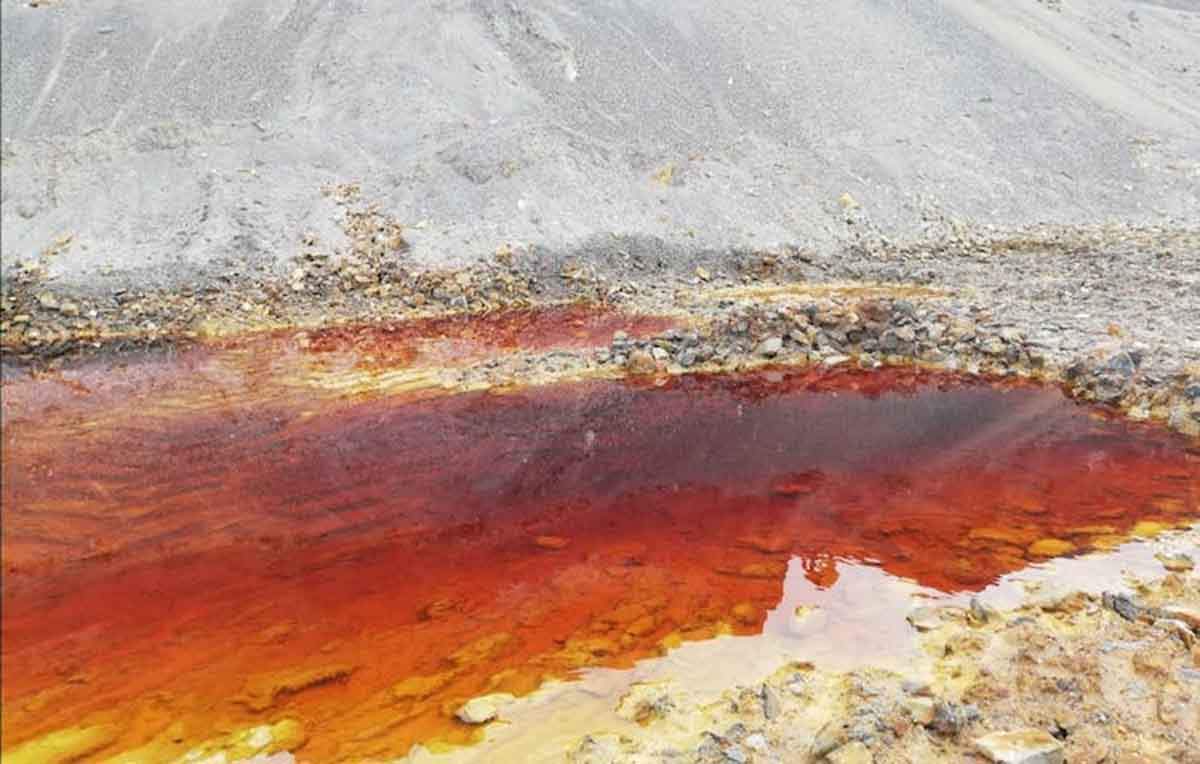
x: 479, y: 710
x: 1050, y: 548
x: 921, y: 709
x: 770, y: 347
x: 551, y: 542
x: 645, y: 702
x: 1176, y: 563
x: 1025, y: 746
x: 1189, y: 615
x: 925, y: 619
x: 1177, y: 628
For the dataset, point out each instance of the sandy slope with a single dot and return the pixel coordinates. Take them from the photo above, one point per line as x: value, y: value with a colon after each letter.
x: 196, y: 137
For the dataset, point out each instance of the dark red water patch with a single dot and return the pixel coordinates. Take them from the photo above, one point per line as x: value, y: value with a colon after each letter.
x: 367, y: 566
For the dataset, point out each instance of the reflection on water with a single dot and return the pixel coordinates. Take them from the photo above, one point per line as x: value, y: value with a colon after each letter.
x: 358, y: 569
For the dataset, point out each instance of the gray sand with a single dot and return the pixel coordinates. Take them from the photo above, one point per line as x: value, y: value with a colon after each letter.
x: 176, y: 139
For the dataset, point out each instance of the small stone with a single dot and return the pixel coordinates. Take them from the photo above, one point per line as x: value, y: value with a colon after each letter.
x: 479, y: 710
x: 551, y: 542
x: 770, y: 347
x: 920, y: 709
x: 645, y: 702
x: 925, y: 619
x: 1176, y: 563
x: 854, y: 752
x: 1189, y: 615
x: 641, y: 362
x: 772, y: 706
x: 950, y: 718
x: 756, y: 742
x: 1025, y: 746
x: 827, y: 739
x: 1178, y: 629
x: 848, y: 202
x: 1122, y: 605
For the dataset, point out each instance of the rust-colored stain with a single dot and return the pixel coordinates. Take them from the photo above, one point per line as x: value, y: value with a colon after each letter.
x: 352, y: 571
x: 464, y: 337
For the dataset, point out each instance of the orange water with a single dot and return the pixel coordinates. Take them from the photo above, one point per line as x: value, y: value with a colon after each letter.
x: 216, y: 566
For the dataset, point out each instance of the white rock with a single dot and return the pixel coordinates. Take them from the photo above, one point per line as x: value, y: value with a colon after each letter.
x: 1025, y: 746
x: 479, y: 710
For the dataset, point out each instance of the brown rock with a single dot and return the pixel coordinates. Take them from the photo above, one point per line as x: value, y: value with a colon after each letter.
x: 1189, y: 615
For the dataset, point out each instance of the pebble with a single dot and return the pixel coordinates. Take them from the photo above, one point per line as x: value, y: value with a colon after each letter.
x: 921, y: 709
x: 477, y: 711
x: 772, y: 706
x: 1176, y: 563
x: 756, y: 742
x: 1189, y: 615
x: 925, y: 619
x: 770, y: 347
x: 1024, y: 746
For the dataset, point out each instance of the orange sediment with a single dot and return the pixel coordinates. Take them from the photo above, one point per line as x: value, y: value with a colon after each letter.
x: 353, y: 571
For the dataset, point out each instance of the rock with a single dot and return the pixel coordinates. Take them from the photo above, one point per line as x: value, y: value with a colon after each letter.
x: 598, y: 749
x: 848, y: 202
x: 949, y: 719
x: 772, y: 706
x: 981, y: 613
x: 770, y: 347
x: 828, y: 738
x: 851, y: 753
x: 1178, y: 629
x: 551, y: 542
x: 756, y: 742
x: 1176, y: 563
x: 641, y: 362
x: 645, y: 702
x: 479, y: 710
x: 925, y: 619
x: 1122, y: 605
x: 1189, y: 615
x: 1025, y: 746
x: 921, y: 709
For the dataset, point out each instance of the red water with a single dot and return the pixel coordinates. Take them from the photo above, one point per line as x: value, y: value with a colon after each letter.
x: 221, y: 567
